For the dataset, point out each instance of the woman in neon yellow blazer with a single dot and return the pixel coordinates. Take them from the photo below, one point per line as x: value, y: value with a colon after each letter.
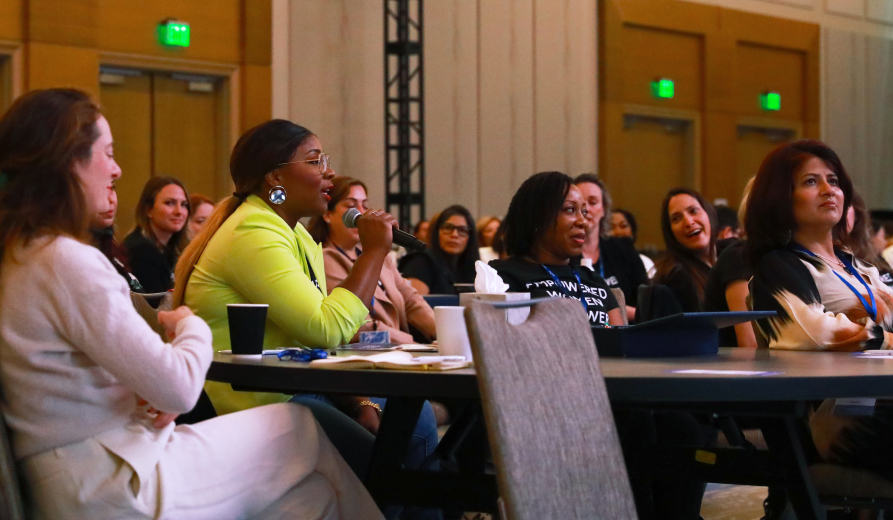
x: 253, y: 250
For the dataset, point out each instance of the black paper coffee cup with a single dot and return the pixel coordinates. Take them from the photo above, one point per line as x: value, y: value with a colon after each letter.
x: 246, y: 328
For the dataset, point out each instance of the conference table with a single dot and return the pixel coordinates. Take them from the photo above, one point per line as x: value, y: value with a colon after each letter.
x: 772, y: 388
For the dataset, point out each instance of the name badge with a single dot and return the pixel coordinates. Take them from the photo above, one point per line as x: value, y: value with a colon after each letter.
x: 375, y: 336
x: 858, y: 407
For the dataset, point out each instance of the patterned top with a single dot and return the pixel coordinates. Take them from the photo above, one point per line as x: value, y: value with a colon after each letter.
x: 816, y: 309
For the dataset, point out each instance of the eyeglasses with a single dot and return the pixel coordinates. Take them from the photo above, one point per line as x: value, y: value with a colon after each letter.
x: 324, y: 161
x: 447, y: 229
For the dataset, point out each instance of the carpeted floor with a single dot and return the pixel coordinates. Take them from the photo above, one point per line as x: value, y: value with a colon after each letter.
x: 730, y: 502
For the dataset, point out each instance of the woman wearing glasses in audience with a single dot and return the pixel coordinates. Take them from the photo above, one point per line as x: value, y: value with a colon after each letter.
x: 546, y: 226
x: 160, y: 234
x: 450, y: 257
x: 397, y: 306
x: 614, y: 260
x: 90, y: 392
x: 253, y: 250
x: 826, y: 298
x: 689, y: 227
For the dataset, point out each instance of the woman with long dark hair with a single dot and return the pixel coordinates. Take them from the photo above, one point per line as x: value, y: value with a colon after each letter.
x: 76, y: 360
x: 450, y: 257
x: 688, y: 223
x: 826, y: 298
x: 154, y: 246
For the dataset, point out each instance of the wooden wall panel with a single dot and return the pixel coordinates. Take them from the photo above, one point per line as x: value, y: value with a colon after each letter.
x: 720, y: 60
x: 651, y: 53
x: 128, y: 108
x: 216, y: 33
x: 12, y: 19
x: 256, y: 17
x: 65, y: 22
x: 49, y: 65
x: 184, y: 126
x: 256, y: 95
x: 760, y: 69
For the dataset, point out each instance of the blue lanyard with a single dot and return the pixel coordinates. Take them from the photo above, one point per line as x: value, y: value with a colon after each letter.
x: 601, y: 265
x: 870, y: 309
x: 563, y: 290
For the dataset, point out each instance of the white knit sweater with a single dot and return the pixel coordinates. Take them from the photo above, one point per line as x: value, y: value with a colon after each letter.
x: 74, y: 353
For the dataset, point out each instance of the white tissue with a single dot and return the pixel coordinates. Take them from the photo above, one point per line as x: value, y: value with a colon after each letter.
x: 488, y: 280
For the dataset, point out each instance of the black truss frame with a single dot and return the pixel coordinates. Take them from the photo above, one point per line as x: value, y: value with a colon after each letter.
x: 404, y: 111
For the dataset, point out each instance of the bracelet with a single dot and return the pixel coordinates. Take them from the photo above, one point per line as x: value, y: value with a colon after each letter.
x: 367, y: 403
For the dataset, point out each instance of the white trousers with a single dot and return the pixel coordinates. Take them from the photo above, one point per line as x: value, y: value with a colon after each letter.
x: 268, y: 462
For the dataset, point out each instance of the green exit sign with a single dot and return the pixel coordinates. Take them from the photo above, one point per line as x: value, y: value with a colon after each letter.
x: 663, y: 88
x: 770, y: 101
x: 172, y: 33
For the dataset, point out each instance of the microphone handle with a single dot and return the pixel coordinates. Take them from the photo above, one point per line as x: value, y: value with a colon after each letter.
x: 401, y: 238
x: 410, y: 242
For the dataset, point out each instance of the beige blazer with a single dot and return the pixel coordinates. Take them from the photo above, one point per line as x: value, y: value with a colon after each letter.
x: 397, y: 303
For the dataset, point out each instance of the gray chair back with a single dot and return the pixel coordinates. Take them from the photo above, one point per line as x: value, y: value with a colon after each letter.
x: 621, y: 303
x: 548, y: 418
x: 147, y: 313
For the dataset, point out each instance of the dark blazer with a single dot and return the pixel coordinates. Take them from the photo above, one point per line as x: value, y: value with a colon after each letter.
x: 151, y: 266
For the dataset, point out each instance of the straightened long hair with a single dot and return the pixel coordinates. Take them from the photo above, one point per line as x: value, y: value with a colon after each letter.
x: 151, y: 189
x: 769, y: 218
x: 43, y: 135
x: 259, y: 151
x: 678, y: 256
x: 467, y: 258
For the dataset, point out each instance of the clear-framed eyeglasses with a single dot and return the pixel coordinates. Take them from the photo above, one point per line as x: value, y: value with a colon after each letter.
x: 324, y: 161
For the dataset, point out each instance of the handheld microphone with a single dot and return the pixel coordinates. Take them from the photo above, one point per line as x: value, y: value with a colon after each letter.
x: 401, y: 238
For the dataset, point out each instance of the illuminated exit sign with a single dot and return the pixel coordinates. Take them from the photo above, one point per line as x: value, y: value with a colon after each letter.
x: 663, y: 88
x: 172, y: 33
x: 770, y: 101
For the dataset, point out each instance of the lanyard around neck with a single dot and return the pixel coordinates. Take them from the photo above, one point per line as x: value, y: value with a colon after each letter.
x: 564, y: 291
x: 871, y: 308
x: 358, y: 252
x: 601, y: 263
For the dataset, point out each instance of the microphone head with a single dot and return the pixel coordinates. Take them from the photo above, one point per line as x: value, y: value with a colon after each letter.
x: 350, y: 217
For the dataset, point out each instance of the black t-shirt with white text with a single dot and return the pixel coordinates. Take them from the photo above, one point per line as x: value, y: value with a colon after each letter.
x: 525, y: 276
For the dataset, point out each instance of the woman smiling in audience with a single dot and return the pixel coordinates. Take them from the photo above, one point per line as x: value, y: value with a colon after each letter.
x: 689, y: 227
x: 546, y: 226
x: 826, y: 298
x: 76, y: 360
x: 160, y: 234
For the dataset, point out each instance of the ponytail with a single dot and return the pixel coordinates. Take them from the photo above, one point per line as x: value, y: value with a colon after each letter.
x: 194, y: 250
